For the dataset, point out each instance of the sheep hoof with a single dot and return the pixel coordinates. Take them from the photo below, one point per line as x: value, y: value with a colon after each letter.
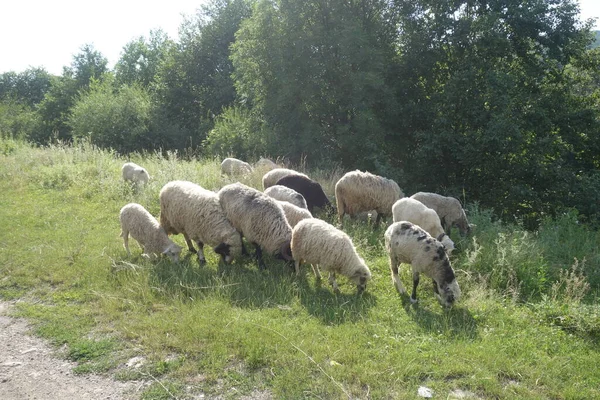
x: 202, y: 261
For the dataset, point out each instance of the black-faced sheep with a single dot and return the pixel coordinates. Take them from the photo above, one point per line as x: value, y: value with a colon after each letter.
x: 270, y: 178
x: 448, y: 209
x: 311, y: 190
x: 359, y: 191
x: 233, y: 166
x: 293, y: 213
x: 408, y: 243
x: 284, y: 193
x: 144, y: 228
x: 409, y: 209
x: 321, y: 244
x: 194, y: 211
x: 259, y: 218
x: 134, y: 173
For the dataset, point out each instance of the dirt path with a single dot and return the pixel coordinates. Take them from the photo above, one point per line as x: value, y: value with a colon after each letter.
x: 30, y: 370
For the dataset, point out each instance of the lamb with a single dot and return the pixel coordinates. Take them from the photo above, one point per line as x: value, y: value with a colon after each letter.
x: 409, y: 243
x: 448, y: 209
x: 194, y: 211
x: 233, y: 166
x: 311, y: 190
x: 359, y: 191
x: 134, y: 173
x: 316, y: 242
x: 144, y: 228
x: 270, y: 178
x: 412, y: 210
x: 259, y: 218
x: 293, y: 213
x: 284, y: 193
x: 265, y: 164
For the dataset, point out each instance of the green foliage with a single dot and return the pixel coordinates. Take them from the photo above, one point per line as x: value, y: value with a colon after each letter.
x: 113, y: 118
x: 237, y: 132
x: 17, y: 120
x: 27, y: 87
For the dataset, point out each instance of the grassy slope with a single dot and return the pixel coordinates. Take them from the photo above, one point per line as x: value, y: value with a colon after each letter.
x: 235, y: 330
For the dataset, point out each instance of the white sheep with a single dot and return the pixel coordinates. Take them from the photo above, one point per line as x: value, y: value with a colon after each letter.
x: 233, y: 166
x: 359, y: 191
x: 265, y: 164
x: 409, y: 209
x: 284, y: 193
x: 293, y: 213
x: 408, y: 243
x: 134, y: 173
x: 448, y: 209
x: 270, y: 178
x: 144, y: 228
x: 259, y: 218
x: 316, y: 242
x: 194, y: 211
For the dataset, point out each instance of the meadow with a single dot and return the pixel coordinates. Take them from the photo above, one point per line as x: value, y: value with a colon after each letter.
x: 527, y: 325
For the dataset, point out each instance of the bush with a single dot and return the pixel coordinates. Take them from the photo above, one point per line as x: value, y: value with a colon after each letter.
x: 16, y: 120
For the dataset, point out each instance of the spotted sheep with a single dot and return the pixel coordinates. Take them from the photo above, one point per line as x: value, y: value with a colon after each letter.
x: 408, y: 243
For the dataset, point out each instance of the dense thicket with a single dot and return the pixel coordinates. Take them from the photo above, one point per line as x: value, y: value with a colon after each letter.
x: 492, y: 101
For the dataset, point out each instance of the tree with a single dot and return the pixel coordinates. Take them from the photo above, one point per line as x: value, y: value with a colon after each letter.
x: 27, y: 87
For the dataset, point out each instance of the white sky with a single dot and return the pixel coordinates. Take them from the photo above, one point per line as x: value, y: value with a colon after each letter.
x: 48, y: 33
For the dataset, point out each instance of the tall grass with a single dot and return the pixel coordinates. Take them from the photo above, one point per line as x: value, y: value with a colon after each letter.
x: 526, y: 327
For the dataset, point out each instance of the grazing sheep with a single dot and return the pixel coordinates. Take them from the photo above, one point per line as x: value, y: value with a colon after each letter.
x: 311, y: 190
x: 409, y: 209
x: 259, y: 218
x: 233, y: 166
x: 144, y: 228
x: 265, y: 164
x: 316, y: 242
x: 359, y: 191
x: 134, y: 173
x: 270, y: 178
x: 408, y: 243
x: 293, y: 213
x: 448, y: 209
x: 194, y: 211
x: 283, y: 193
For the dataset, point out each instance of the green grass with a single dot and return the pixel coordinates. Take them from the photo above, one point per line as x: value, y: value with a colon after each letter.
x: 526, y: 327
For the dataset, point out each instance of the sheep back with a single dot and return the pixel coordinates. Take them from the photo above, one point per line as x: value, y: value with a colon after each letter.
x: 293, y: 213
x: 270, y: 178
x: 233, y: 166
x: 447, y: 208
x: 359, y: 191
x: 258, y: 217
x: 311, y: 190
x: 284, y: 193
x: 134, y: 173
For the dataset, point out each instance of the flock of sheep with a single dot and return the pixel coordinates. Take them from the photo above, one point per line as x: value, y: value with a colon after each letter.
x: 280, y: 222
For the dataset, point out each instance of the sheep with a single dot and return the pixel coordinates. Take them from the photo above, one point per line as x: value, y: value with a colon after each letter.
x: 408, y: 243
x: 259, y: 218
x: 270, y: 178
x: 265, y: 164
x: 293, y: 213
x: 448, y: 209
x: 359, y: 191
x: 134, y: 173
x: 316, y: 242
x: 233, y: 166
x: 194, y: 211
x: 418, y: 213
x: 144, y: 228
x: 284, y: 193
x: 311, y: 190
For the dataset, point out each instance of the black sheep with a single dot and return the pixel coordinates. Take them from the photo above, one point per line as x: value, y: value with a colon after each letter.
x: 311, y: 190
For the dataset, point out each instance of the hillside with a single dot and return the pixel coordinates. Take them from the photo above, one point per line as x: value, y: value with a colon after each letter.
x: 527, y: 325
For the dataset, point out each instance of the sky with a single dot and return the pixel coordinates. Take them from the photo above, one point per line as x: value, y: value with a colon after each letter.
x: 48, y: 33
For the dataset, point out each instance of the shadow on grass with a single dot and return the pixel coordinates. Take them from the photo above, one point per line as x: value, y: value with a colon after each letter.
x: 456, y: 322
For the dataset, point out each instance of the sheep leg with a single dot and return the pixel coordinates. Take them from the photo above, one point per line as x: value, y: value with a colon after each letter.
x: 436, y: 292
x: 413, y: 296
x: 333, y: 282
x: 125, y: 235
x: 190, y: 244
x: 378, y: 219
x: 297, y: 266
x: 315, y: 268
x: 244, y: 250
x: 259, y: 259
x: 201, y: 257
x: 395, y: 278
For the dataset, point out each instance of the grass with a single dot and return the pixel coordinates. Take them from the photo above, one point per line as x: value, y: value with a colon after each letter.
x: 526, y: 327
